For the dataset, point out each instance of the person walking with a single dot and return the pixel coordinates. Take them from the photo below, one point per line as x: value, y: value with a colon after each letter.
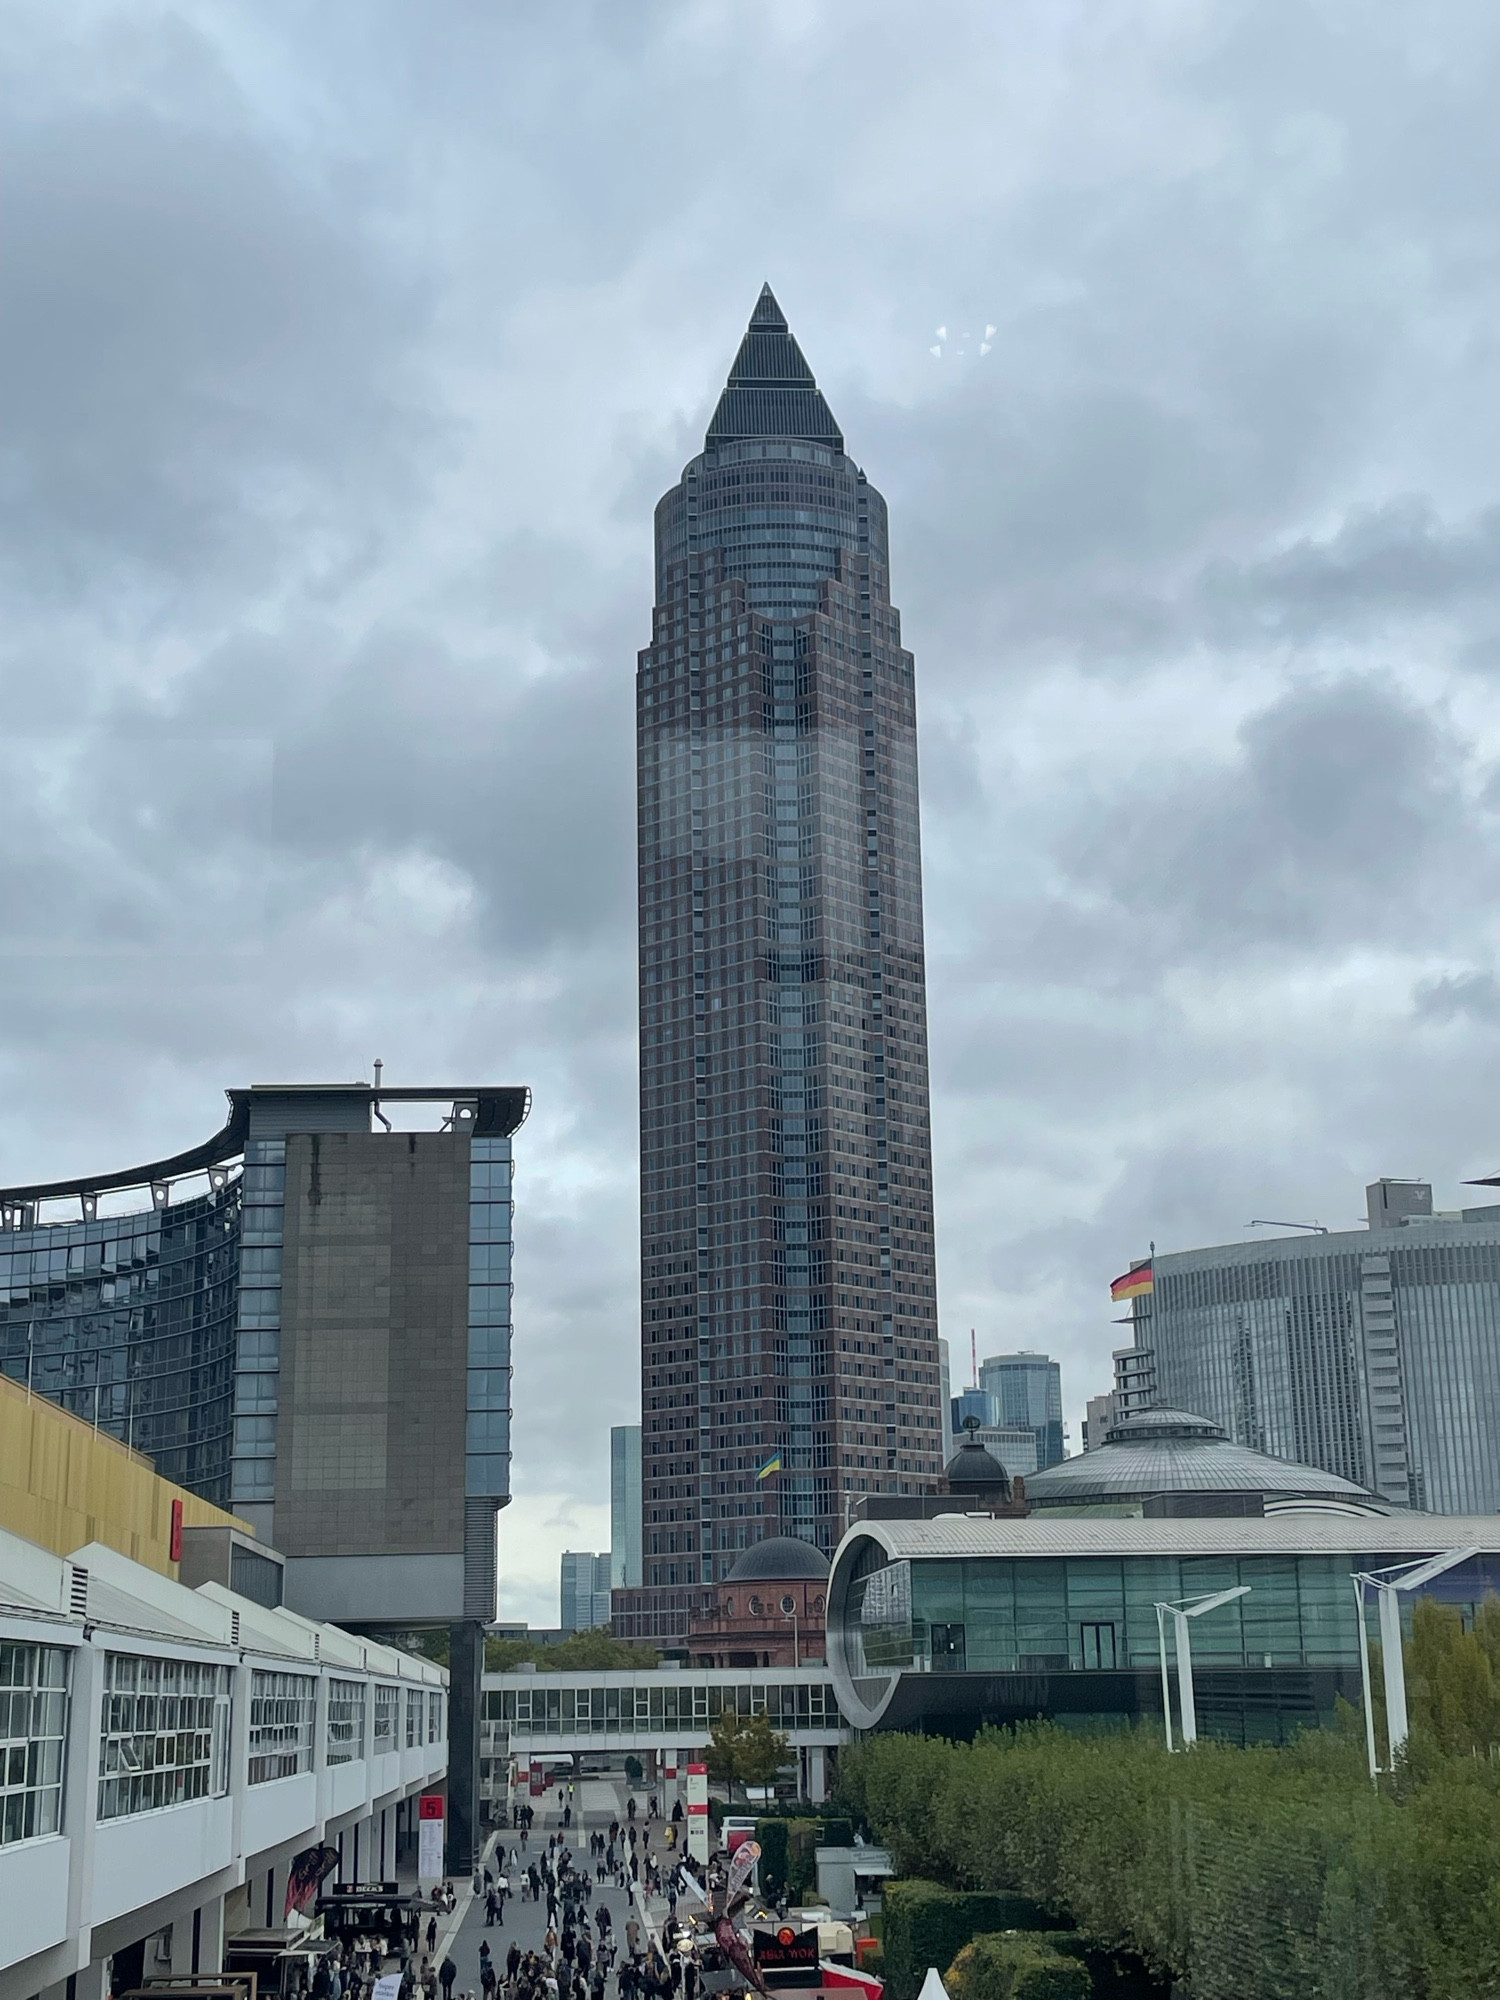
x: 447, y: 1973
x: 431, y: 1934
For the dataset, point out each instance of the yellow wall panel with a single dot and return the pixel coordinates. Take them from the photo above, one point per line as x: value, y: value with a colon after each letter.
x: 63, y: 1484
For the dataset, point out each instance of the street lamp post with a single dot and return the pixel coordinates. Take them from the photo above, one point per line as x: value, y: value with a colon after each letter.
x: 1180, y: 1612
x: 789, y: 1610
x: 1387, y: 1585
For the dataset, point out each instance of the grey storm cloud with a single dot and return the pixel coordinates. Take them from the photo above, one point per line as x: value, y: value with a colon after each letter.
x: 1340, y: 816
x: 343, y: 354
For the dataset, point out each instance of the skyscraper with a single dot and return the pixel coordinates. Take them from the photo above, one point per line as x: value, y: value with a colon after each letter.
x: 625, y: 1505
x: 583, y: 1591
x: 788, y: 1290
x: 1027, y: 1389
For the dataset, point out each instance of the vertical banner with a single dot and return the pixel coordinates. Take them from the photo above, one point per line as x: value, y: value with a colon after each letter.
x: 174, y: 1546
x: 430, y: 1837
x: 697, y: 1811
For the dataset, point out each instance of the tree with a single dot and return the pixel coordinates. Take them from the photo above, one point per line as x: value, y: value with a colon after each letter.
x: 723, y: 1745
x: 582, y: 1652
x: 745, y: 1750
x: 761, y: 1751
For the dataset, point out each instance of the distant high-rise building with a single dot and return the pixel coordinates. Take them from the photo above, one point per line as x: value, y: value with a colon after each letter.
x: 1027, y: 1389
x: 788, y: 1286
x: 1372, y: 1353
x: 945, y: 1397
x: 625, y: 1506
x: 1098, y: 1415
x: 976, y: 1403
x: 1135, y: 1389
x: 1013, y: 1444
x: 584, y: 1591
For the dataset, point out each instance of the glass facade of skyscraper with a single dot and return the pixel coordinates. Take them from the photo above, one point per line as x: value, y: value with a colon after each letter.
x: 789, y: 1301
x: 1027, y: 1389
x: 625, y: 1505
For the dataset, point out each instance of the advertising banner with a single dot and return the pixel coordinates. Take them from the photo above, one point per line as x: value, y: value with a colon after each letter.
x: 697, y: 1811
x: 430, y: 1809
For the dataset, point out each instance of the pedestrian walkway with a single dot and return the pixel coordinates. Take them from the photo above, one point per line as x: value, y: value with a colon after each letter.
x: 598, y: 1801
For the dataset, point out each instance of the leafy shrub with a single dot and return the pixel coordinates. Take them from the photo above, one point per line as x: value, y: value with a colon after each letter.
x: 926, y: 1925
x: 1016, y: 1965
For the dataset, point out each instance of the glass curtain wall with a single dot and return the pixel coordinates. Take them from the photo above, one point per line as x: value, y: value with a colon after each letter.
x: 129, y: 1322
x: 1089, y: 1614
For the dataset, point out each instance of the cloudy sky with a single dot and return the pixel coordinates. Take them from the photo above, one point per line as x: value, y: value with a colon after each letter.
x: 344, y: 349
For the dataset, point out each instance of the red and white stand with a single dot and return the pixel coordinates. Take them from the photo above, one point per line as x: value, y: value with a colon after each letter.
x: 697, y: 1811
x: 430, y: 1813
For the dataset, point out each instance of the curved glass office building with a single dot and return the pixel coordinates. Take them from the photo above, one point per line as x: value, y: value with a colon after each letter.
x: 1372, y: 1353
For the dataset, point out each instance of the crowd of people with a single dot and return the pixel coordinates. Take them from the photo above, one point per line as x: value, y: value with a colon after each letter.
x: 581, y: 1949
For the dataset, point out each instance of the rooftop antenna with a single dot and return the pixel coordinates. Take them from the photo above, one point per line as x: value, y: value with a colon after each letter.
x: 974, y: 1355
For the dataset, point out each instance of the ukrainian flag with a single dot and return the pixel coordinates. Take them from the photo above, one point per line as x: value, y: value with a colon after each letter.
x: 772, y: 1464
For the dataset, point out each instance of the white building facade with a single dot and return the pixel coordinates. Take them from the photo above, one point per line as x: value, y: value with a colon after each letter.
x: 165, y: 1753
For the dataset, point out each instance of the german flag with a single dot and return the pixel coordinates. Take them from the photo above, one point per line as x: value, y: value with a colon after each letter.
x: 1138, y: 1283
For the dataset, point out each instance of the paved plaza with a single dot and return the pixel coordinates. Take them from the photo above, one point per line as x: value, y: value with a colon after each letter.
x: 597, y: 1802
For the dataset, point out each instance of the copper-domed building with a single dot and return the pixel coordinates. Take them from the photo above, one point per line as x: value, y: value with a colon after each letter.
x: 770, y: 1611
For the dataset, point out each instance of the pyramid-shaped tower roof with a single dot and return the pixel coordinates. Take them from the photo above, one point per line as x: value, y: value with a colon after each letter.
x: 771, y: 391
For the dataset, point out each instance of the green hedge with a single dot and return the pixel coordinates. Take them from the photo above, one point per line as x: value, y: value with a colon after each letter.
x: 1257, y: 1874
x: 1016, y: 1965
x: 772, y: 1836
x: 802, y: 1856
x: 928, y: 1925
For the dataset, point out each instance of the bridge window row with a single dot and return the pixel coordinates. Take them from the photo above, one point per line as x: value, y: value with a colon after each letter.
x: 603, y: 1710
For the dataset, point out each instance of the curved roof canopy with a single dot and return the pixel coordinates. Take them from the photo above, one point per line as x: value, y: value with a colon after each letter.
x: 497, y: 1109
